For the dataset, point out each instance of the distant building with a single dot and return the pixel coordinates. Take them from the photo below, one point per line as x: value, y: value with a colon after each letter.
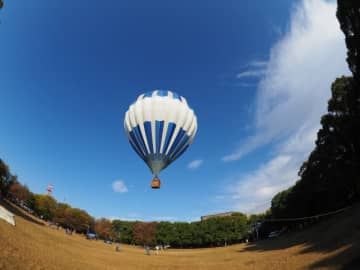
x: 225, y: 214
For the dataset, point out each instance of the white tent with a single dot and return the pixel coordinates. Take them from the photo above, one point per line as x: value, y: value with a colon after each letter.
x: 7, y: 216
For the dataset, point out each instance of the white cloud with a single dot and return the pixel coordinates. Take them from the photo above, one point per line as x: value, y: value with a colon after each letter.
x: 162, y: 218
x: 138, y: 218
x: 291, y: 98
x: 255, y: 69
x: 195, y: 164
x: 123, y: 218
x: 119, y: 186
x: 251, y: 73
x: 129, y: 217
x: 252, y: 192
x: 258, y: 63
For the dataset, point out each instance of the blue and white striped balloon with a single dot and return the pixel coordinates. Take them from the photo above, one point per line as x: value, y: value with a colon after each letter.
x: 160, y: 127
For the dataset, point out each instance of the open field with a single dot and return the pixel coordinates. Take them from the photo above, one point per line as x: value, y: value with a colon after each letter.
x: 332, y: 244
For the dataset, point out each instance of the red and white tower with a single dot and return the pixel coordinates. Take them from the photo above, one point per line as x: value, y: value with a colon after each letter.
x: 49, y: 189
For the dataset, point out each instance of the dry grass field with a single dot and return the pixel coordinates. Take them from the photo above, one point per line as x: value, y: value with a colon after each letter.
x: 331, y: 244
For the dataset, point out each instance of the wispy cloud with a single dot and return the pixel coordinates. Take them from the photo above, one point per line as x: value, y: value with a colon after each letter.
x: 251, y: 73
x: 255, y: 69
x: 129, y: 217
x: 163, y: 218
x: 258, y: 63
x: 291, y: 98
x: 119, y: 186
x: 252, y: 192
x: 195, y: 164
x: 124, y: 218
x: 138, y: 218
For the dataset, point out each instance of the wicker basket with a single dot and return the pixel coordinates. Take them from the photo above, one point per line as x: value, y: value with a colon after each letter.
x: 155, y: 183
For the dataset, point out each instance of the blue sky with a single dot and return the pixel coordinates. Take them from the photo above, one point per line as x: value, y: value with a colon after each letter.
x: 248, y: 68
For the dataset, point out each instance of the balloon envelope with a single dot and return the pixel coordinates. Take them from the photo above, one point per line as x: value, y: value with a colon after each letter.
x: 160, y: 127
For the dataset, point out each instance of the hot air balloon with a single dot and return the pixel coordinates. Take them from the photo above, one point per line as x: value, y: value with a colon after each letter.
x: 160, y: 126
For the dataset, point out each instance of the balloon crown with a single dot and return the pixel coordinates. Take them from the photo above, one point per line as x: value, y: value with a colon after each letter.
x: 162, y: 93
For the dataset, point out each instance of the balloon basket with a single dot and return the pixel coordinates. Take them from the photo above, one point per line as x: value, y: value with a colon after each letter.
x: 155, y: 183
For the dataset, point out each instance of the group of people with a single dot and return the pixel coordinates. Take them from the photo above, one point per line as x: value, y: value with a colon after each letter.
x: 69, y: 231
x: 147, y: 249
x: 157, y: 249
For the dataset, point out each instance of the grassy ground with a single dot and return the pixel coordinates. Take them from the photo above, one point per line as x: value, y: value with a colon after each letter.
x: 332, y: 244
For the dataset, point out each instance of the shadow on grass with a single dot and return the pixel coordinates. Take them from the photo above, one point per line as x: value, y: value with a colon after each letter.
x: 19, y: 213
x: 339, y: 234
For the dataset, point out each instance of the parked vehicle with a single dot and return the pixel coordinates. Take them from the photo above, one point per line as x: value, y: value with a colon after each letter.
x: 108, y: 241
x: 274, y: 234
x: 91, y: 236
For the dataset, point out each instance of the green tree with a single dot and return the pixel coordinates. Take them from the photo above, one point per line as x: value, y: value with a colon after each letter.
x: 59, y: 215
x: 6, y: 179
x: 78, y: 220
x: 123, y: 231
x: 164, y: 233
x: 30, y: 202
x: 44, y: 206
x: 348, y: 14
x: 182, y: 236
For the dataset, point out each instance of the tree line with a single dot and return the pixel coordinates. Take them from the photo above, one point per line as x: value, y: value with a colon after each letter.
x: 217, y: 231
x: 42, y: 205
x: 210, y: 232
